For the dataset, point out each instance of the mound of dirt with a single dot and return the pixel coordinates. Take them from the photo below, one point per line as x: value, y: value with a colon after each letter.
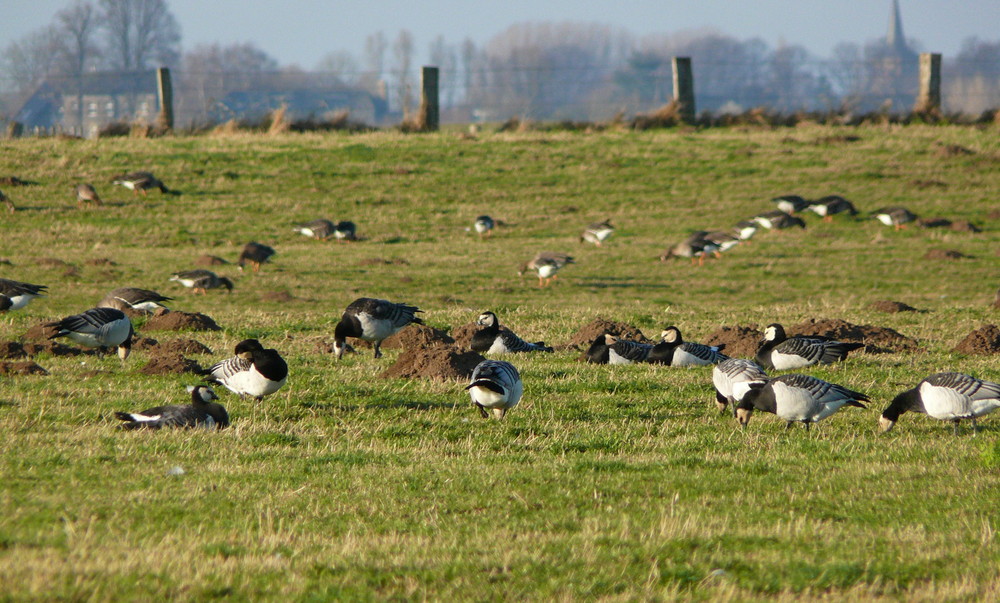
x: 144, y: 343
x: 180, y: 321
x: 277, y: 296
x: 952, y: 150
x: 41, y: 332
x: 944, y: 254
x: 440, y: 363
x: 170, y: 364
x: 740, y: 341
x: 600, y: 326
x: 964, y: 226
x: 877, y: 340
x: 891, y: 306
x: 11, y: 349
x: 983, y: 341
x: 417, y: 336
x: 210, y: 260
x: 51, y: 347
x: 100, y: 262
x: 463, y: 335
x: 22, y: 367
x: 173, y: 346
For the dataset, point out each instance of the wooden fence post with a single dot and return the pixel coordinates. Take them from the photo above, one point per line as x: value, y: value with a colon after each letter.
x: 165, y: 91
x: 929, y: 98
x: 684, y: 87
x: 430, y: 111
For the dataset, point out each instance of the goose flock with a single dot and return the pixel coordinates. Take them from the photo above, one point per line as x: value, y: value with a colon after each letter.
x: 741, y: 385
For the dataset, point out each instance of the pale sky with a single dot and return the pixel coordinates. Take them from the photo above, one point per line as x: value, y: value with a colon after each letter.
x: 303, y: 31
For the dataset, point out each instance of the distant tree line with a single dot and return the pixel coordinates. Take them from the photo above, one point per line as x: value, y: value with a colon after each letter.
x: 542, y: 71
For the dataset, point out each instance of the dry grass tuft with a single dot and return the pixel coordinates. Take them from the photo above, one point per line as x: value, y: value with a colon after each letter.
x: 278, y: 121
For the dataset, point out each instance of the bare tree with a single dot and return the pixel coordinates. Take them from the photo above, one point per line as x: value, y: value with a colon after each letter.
x: 375, y: 46
x: 140, y: 33
x: 28, y: 61
x: 402, y: 51
x: 76, y: 27
x: 212, y: 71
x: 342, y: 65
x: 442, y: 55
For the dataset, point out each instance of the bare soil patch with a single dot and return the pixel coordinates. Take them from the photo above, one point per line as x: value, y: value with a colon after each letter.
x: 944, y: 254
x: 172, y: 346
x: 891, y: 307
x: 417, y: 336
x: 170, y: 363
x: 210, y: 260
x: 740, y: 341
x: 463, y: 335
x: 11, y: 349
x: 600, y: 326
x: 21, y: 367
x: 40, y: 332
x: 277, y: 296
x: 983, y: 341
x: 181, y: 321
x: 877, y: 340
x: 953, y: 150
x: 441, y: 363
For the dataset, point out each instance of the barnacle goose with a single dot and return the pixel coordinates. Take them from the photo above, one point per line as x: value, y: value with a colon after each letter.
x: 495, y: 387
x: 494, y: 339
x: 15, y: 295
x: 780, y: 352
x: 372, y: 320
x: 254, y: 371
x: 946, y: 397
x: 797, y: 399
x: 732, y: 378
x: 623, y: 351
x: 202, y: 412
x: 484, y: 225
x: 674, y: 351
x: 99, y: 328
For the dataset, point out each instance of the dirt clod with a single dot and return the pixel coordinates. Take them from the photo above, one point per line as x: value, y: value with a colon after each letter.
x: 41, y: 332
x: 582, y: 339
x: 179, y: 321
x: 440, y: 363
x: 463, y: 335
x: 417, y: 336
x: 277, y: 296
x: 891, y: 307
x: 877, y: 340
x: 11, y: 349
x: 983, y: 341
x: 740, y: 341
x: 210, y: 260
x: 170, y: 364
x: 944, y: 254
x: 21, y: 367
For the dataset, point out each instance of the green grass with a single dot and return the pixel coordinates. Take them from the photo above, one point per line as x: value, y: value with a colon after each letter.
x: 616, y: 483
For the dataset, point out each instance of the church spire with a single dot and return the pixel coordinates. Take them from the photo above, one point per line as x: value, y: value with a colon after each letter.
x: 894, y: 38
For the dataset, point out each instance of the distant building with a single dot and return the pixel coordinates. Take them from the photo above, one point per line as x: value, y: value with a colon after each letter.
x: 83, y: 106
x: 896, y: 67
x: 300, y: 103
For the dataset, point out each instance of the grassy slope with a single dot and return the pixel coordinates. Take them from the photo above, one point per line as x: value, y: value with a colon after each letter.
x: 618, y: 482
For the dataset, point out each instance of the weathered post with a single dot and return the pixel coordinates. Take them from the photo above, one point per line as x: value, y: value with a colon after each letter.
x: 430, y: 112
x: 684, y: 87
x: 164, y: 89
x: 929, y: 98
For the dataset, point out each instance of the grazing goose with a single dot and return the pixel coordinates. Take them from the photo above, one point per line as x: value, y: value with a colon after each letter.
x: 623, y: 351
x: 790, y: 204
x: 142, y: 300
x: 345, y: 230
x: 732, y: 378
x: 797, y: 399
x: 15, y: 295
x: 140, y: 182
x: 778, y: 220
x: 202, y: 412
x: 895, y: 216
x: 831, y: 205
x: 6, y: 201
x: 494, y: 339
x: 724, y: 240
x: 202, y: 280
x: 484, y: 225
x: 674, y: 351
x: 597, y: 233
x: 85, y: 193
x: 495, y: 386
x: 599, y: 351
x: 99, y: 328
x: 946, y: 397
x: 254, y: 371
x: 546, y: 264
x: 779, y: 352
x: 318, y: 229
x: 745, y: 229
x: 372, y: 320
x: 254, y: 254
x: 695, y: 247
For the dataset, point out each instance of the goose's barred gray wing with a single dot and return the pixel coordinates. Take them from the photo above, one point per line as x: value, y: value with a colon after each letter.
x: 228, y: 368
x: 628, y: 351
x: 496, y: 386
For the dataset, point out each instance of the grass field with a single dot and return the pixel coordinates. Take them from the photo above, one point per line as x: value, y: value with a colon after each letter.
x: 607, y: 482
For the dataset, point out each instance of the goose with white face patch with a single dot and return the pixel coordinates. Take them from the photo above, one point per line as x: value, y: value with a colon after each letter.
x: 732, y: 378
x: 779, y: 352
x: 797, y: 399
x: 254, y: 371
x: 100, y: 328
x: 494, y: 339
x: 15, y: 295
x: 203, y: 412
x: 495, y: 387
x: 372, y: 320
x: 484, y: 225
x: 674, y: 351
x: 951, y: 397
x: 141, y: 300
x: 623, y: 351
